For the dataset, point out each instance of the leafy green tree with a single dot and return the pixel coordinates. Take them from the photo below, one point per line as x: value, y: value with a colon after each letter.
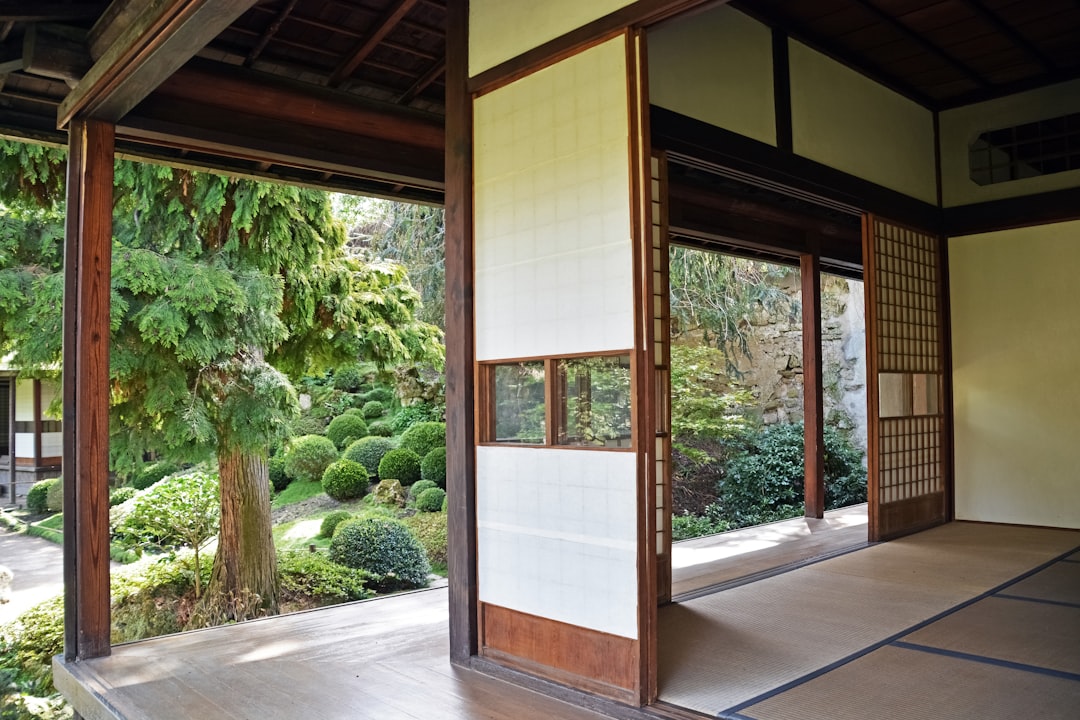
x: 223, y: 289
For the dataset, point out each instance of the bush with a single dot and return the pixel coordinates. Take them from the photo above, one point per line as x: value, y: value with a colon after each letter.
x: 373, y: 409
x: 430, y: 530
x: 401, y: 464
x: 382, y: 546
x: 121, y: 495
x: 418, y: 487
x: 150, y: 474
x: 379, y: 394
x: 278, y: 477
x: 431, y: 500
x: 417, y: 413
x: 54, y: 496
x: 685, y: 527
x: 313, y: 577
x: 345, y: 480
x: 424, y: 437
x: 37, y: 497
x: 308, y: 457
x: 348, y: 378
x: 433, y: 467
x: 380, y: 428
x: 28, y: 645
x: 346, y: 429
x: 331, y: 521
x: 369, y: 452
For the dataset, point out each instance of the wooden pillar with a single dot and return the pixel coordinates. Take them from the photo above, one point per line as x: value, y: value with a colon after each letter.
x: 87, y: 269
x: 12, y: 385
x: 813, y: 403
x: 37, y: 423
x: 460, y: 346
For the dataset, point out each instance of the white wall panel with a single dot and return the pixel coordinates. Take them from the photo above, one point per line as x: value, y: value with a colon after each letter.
x: 24, y: 400
x: 24, y: 445
x: 558, y: 535
x: 52, y: 444
x: 554, y: 264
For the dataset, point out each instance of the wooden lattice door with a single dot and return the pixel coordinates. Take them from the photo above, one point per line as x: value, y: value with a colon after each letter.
x: 909, y: 485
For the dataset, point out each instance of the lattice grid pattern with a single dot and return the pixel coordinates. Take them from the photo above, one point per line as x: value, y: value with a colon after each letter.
x: 910, y: 458
x: 908, y: 314
x: 661, y: 354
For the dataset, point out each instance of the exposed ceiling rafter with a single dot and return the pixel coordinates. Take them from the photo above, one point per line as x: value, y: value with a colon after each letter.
x: 358, y: 54
x: 1014, y: 36
x: 432, y: 74
x: 271, y: 31
x: 48, y: 12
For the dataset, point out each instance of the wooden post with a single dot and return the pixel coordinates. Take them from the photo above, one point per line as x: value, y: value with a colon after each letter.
x: 460, y: 346
x: 87, y: 271
x: 813, y: 404
x: 12, y: 385
x: 37, y: 424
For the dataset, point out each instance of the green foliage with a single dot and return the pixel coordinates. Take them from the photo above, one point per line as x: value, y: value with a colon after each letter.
x: 151, y: 473
x: 380, y: 428
x: 121, y: 495
x: 346, y: 429
x: 433, y: 467
x: 308, y: 456
x: 424, y: 437
x: 401, y: 464
x: 28, y: 645
x: 369, y: 452
x: 348, y: 378
x: 417, y: 413
x: 275, y: 468
x: 430, y: 500
x: 153, y: 597
x: 373, y: 409
x: 430, y: 529
x: 37, y: 497
x: 702, y: 405
x: 384, y: 547
x: 685, y: 527
x: 345, y: 480
x: 379, y: 395
x: 315, y: 579
x: 54, y: 496
x: 331, y: 521
x: 297, y: 491
x: 418, y: 487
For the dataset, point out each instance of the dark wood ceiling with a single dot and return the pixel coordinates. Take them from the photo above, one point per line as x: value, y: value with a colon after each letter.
x: 361, y: 81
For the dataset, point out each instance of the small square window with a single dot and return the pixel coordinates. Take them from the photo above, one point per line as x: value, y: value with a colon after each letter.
x: 594, y: 402
x: 519, y: 400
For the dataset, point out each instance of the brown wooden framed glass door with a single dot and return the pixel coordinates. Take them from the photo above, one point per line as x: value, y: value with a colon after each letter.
x: 909, y: 484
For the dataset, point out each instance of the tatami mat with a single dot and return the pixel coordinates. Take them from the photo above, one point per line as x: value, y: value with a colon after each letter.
x: 1019, y: 631
x: 1058, y: 583
x: 900, y: 684
x: 721, y: 650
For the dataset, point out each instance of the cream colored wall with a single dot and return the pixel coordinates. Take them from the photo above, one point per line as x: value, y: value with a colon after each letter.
x: 24, y: 400
x: 1016, y: 340
x: 847, y: 121
x: 500, y: 30
x: 959, y: 127
x: 716, y: 67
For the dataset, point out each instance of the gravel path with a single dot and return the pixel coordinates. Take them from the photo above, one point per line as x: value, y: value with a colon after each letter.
x: 39, y: 571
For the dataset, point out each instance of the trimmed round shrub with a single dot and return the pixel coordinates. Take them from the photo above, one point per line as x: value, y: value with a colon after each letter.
x: 308, y: 457
x: 359, y: 412
x: 418, y: 413
x: 420, y: 486
x: 401, y: 464
x: 431, y: 500
x: 331, y: 521
x: 37, y: 497
x: 380, y: 428
x: 121, y: 495
x: 348, y: 378
x: 311, y: 578
x: 373, y: 409
x: 345, y: 480
x: 424, y: 437
x: 379, y: 394
x: 54, y: 497
x: 369, y: 451
x: 152, y: 473
x: 433, y: 467
x: 382, y: 546
x: 278, y: 477
x: 346, y: 429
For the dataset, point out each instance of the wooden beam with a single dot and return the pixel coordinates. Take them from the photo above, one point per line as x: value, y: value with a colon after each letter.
x: 432, y: 74
x: 782, y: 90
x: 163, y: 36
x: 460, y: 353
x: 1024, y: 211
x: 29, y: 12
x: 87, y: 272
x: 54, y: 57
x: 383, y: 26
x: 994, y: 20
x: 12, y: 387
x: 271, y: 31
x: 37, y: 421
x: 813, y: 403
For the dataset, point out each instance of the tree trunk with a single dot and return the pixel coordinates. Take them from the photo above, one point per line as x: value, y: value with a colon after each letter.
x: 245, y: 564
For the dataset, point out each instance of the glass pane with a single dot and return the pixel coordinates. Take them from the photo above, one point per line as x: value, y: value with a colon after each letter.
x: 594, y: 401
x: 519, y: 403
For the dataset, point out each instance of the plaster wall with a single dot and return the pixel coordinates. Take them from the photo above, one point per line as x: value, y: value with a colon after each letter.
x: 52, y: 445
x: 961, y: 126
x: 500, y: 30
x: 24, y: 400
x: 716, y: 67
x: 1016, y: 337
x: 843, y: 119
